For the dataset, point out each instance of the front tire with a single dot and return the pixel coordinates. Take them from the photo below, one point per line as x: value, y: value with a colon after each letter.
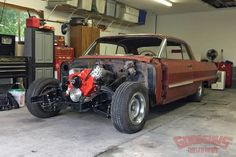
x: 37, y: 88
x: 129, y: 107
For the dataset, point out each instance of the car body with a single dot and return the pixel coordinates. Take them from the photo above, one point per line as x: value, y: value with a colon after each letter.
x: 123, y: 76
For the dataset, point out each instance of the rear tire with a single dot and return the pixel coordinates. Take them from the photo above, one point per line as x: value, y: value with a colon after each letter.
x: 197, y: 97
x: 37, y: 88
x: 129, y: 107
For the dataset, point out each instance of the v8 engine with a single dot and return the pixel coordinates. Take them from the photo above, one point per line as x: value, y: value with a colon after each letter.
x: 85, y: 83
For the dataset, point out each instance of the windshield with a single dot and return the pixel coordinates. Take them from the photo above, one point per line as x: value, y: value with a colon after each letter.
x: 148, y: 46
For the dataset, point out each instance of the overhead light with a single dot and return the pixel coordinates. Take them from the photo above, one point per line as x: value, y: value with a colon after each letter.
x: 165, y: 2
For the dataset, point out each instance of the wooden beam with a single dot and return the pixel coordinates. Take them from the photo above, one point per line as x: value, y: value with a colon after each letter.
x: 38, y: 12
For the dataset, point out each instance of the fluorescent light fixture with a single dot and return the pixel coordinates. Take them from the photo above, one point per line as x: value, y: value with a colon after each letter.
x: 165, y: 2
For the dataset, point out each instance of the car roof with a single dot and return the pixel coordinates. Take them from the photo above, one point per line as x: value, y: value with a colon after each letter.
x: 160, y: 36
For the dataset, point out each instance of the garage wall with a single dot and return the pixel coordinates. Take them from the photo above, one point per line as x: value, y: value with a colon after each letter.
x: 149, y: 27
x: 203, y: 31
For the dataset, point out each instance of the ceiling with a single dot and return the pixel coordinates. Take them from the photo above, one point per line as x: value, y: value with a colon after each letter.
x: 179, y: 6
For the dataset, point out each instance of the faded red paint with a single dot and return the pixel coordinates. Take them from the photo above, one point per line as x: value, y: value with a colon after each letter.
x: 137, y: 58
x: 171, y: 72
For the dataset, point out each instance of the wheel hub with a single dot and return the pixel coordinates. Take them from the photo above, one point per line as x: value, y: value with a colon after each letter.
x: 200, y: 90
x: 137, y: 107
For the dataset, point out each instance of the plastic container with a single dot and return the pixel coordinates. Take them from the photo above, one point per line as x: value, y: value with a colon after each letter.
x: 99, y: 6
x: 111, y: 8
x: 19, y: 95
x: 130, y: 18
x: 142, y: 17
x: 73, y: 3
x: 130, y: 10
x: 127, y: 13
x: 119, y: 12
x: 53, y: 3
x: 227, y: 67
x: 85, y: 4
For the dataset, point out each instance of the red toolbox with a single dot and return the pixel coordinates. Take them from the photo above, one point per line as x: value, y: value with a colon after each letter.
x: 227, y: 67
x: 62, y: 54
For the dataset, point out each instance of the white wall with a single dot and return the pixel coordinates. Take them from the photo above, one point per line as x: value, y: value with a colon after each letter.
x: 149, y: 27
x: 203, y: 31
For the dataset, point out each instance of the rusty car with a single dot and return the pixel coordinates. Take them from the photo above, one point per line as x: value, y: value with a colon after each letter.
x: 122, y: 77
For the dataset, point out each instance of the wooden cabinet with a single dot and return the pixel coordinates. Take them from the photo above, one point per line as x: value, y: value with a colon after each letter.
x: 81, y: 37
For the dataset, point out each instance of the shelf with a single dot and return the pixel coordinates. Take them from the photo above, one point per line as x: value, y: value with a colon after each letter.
x: 92, y: 15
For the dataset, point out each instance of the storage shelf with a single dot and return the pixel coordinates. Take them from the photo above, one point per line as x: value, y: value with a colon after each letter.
x: 92, y: 15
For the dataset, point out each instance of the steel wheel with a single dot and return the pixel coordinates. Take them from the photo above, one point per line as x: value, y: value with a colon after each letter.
x: 129, y: 107
x: 200, y: 90
x: 197, y: 97
x: 137, y: 108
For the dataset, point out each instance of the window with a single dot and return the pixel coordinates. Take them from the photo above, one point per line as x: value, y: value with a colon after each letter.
x: 110, y: 49
x: 152, y: 49
x: 13, y: 22
x: 185, y: 52
x: 175, y: 50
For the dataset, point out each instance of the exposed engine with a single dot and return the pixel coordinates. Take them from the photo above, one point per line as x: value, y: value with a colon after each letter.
x: 85, y: 83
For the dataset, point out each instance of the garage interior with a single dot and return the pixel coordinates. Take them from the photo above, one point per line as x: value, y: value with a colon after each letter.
x: 41, y: 38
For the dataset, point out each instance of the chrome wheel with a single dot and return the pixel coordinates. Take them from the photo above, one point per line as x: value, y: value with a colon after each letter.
x: 137, y: 108
x: 200, y: 90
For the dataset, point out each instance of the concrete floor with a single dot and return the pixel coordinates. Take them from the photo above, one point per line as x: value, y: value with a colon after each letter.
x: 74, y: 134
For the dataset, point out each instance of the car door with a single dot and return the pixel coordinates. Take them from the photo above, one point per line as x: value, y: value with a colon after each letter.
x: 179, y: 71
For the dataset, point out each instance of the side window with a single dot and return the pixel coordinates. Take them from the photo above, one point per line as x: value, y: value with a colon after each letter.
x: 185, y: 52
x: 153, y: 49
x: 110, y: 49
x: 174, y: 50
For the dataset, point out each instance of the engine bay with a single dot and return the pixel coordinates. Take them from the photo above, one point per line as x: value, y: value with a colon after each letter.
x: 91, y: 84
x: 84, y: 83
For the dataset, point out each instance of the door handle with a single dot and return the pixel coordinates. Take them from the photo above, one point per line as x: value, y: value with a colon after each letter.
x: 190, y: 66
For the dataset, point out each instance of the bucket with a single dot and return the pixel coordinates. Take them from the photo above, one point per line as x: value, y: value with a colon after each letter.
x: 19, y: 95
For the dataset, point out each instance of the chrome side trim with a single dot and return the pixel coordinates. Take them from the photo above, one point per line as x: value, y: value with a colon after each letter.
x: 180, y: 84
